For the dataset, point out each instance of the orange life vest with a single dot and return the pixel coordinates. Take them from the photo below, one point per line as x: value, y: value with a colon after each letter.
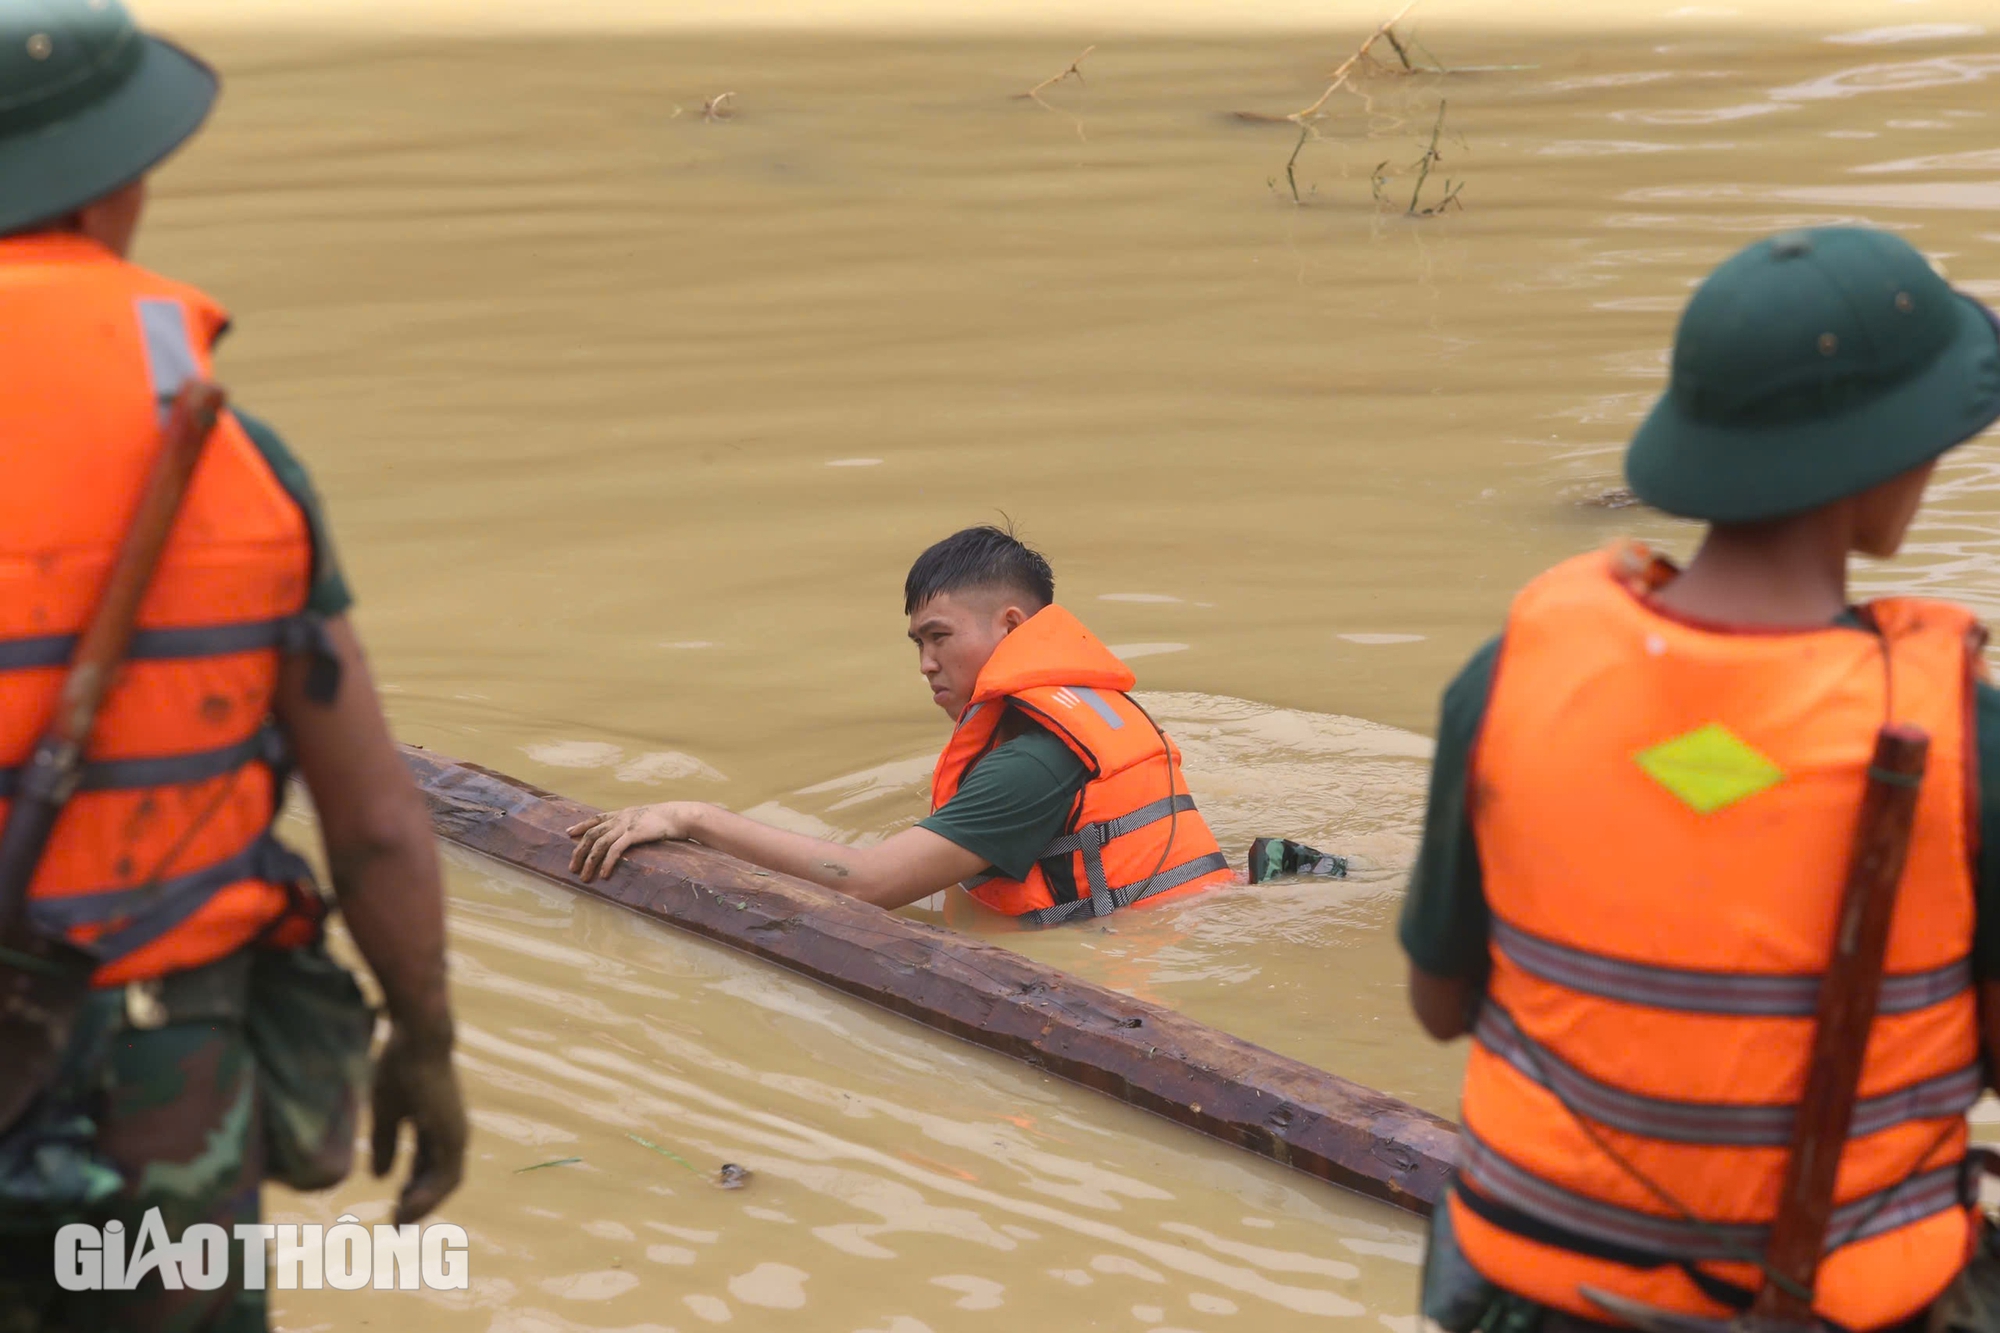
x: 1663, y: 812
x: 1134, y: 833
x: 164, y: 859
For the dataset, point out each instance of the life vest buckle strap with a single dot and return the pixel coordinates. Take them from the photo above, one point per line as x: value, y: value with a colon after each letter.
x: 1101, y: 903
x: 1106, y: 830
x: 1184, y: 873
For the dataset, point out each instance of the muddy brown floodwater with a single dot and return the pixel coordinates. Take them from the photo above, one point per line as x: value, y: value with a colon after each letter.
x: 630, y: 422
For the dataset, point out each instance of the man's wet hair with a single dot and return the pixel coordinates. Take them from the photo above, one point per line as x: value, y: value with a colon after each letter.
x: 984, y: 557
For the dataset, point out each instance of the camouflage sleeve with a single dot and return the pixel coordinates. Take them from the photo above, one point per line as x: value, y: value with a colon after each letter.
x: 1444, y: 923
x: 330, y: 595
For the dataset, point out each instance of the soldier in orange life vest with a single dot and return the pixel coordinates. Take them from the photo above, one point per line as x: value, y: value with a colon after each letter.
x: 1056, y: 799
x: 1641, y: 816
x: 220, y: 1045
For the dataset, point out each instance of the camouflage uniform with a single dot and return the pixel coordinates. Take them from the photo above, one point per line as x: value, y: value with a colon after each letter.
x: 256, y: 1073
x: 177, y: 1115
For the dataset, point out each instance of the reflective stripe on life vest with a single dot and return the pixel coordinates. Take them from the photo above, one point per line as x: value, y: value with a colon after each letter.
x: 1134, y: 834
x: 1745, y: 994
x: 1102, y: 902
x: 164, y: 858
x: 1912, y: 1199
x: 1715, y: 1123
x: 152, y: 910
x: 167, y: 770
x: 1663, y: 813
x: 291, y: 634
x: 1090, y: 841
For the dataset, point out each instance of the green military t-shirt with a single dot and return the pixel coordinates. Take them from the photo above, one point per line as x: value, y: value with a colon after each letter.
x: 1444, y: 923
x: 329, y: 595
x: 1015, y: 801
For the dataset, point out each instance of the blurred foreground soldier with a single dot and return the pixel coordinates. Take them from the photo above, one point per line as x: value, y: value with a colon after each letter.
x: 1640, y: 824
x: 1057, y: 798
x: 219, y: 1045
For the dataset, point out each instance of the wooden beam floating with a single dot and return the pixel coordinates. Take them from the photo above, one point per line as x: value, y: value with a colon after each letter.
x: 1140, y: 1053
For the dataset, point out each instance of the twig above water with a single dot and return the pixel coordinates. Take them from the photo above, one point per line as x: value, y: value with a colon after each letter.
x: 1292, y: 163
x: 1347, y: 66
x: 1432, y: 157
x: 1402, y: 52
x: 1307, y: 118
x: 1074, y: 70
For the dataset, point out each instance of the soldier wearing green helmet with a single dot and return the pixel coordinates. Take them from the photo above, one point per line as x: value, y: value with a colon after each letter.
x: 220, y: 1045
x: 1638, y: 840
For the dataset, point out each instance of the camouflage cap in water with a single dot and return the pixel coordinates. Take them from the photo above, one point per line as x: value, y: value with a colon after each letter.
x: 88, y: 103
x: 1808, y: 368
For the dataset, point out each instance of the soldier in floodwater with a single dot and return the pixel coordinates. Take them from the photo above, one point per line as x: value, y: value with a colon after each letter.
x: 1057, y: 797
x: 219, y: 1045
x: 1640, y: 819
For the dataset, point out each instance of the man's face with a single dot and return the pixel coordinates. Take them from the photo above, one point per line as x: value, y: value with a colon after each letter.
x: 955, y: 632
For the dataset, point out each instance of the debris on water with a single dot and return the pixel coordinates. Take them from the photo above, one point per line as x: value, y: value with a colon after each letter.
x: 1616, y: 497
x: 559, y: 1161
x: 1279, y: 858
x: 732, y: 1176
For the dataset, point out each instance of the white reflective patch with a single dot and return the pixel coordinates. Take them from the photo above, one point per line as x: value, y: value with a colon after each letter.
x: 170, y: 360
x: 1102, y: 707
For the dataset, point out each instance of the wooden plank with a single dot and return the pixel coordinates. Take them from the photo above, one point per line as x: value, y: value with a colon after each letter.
x: 1140, y: 1053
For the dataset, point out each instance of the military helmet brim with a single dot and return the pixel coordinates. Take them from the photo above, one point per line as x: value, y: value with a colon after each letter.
x: 83, y: 157
x: 1738, y: 474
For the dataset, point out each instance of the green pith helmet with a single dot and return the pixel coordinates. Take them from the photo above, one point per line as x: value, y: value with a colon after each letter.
x: 1808, y: 368
x: 88, y: 103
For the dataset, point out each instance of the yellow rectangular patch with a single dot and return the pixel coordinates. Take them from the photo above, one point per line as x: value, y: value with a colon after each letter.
x: 1709, y: 768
